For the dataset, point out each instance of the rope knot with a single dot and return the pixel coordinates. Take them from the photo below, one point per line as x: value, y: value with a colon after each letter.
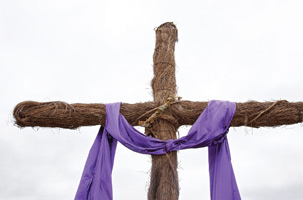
x: 147, y: 123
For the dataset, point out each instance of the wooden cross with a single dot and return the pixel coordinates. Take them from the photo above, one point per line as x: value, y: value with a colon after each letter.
x: 164, y: 178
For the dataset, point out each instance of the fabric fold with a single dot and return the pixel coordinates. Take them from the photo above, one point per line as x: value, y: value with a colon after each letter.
x: 209, y: 130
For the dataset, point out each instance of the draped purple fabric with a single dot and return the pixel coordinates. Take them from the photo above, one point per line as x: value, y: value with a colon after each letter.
x: 209, y: 130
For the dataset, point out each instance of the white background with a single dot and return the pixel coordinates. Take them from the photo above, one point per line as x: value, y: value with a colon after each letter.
x: 101, y: 52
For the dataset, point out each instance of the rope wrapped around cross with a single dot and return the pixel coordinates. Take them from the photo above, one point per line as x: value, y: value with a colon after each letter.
x: 148, y: 122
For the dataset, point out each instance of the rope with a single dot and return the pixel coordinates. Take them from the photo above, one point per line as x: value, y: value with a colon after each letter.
x: 171, y: 164
x: 147, y: 123
x: 262, y: 112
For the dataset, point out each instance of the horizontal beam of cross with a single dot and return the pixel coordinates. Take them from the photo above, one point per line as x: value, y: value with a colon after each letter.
x: 164, y: 176
x: 64, y: 115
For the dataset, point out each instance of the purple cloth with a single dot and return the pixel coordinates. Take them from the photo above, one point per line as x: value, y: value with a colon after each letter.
x: 209, y: 130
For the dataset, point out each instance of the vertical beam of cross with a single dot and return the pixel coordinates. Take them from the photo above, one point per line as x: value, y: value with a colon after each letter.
x: 164, y: 178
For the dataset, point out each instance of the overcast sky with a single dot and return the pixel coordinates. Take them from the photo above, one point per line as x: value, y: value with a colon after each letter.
x: 101, y: 52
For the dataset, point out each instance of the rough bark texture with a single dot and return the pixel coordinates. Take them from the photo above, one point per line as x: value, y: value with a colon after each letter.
x: 164, y: 183
x: 64, y: 115
x: 164, y: 177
